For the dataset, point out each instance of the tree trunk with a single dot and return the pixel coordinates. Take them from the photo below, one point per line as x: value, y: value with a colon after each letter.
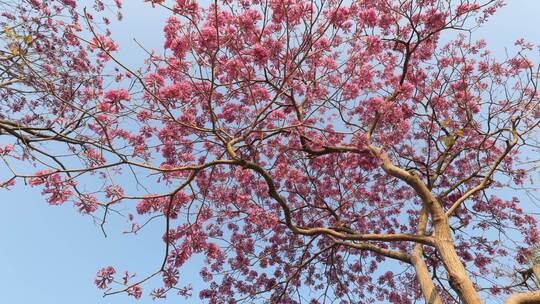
x: 457, y: 275
x: 525, y: 298
x: 431, y: 296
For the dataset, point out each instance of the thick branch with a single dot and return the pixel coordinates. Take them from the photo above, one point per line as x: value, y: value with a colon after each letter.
x: 487, y: 179
x: 422, y: 273
x: 429, y: 201
x: 382, y: 251
x: 524, y: 298
x: 272, y: 191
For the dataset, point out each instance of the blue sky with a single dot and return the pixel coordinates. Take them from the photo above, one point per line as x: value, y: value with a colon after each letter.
x: 49, y: 255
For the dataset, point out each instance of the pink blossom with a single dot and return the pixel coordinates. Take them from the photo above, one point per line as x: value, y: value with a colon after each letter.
x: 104, y: 277
x: 114, y: 96
x: 135, y: 291
x: 6, y: 149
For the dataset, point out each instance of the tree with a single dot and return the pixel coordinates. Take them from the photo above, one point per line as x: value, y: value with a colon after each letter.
x: 303, y: 148
x: 46, y: 76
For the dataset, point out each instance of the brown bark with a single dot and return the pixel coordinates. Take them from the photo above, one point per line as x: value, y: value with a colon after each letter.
x: 457, y: 274
x: 427, y: 286
x: 429, y: 291
x: 536, y: 271
x: 442, y: 234
x: 524, y: 298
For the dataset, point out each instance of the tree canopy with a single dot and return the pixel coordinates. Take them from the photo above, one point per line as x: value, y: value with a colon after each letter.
x: 311, y: 151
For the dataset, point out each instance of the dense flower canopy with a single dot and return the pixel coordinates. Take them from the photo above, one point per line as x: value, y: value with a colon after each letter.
x: 303, y: 148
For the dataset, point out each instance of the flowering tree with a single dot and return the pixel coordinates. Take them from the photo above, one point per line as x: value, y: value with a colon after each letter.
x: 303, y: 148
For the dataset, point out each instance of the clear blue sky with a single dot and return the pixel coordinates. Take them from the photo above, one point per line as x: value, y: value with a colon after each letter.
x: 49, y: 255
